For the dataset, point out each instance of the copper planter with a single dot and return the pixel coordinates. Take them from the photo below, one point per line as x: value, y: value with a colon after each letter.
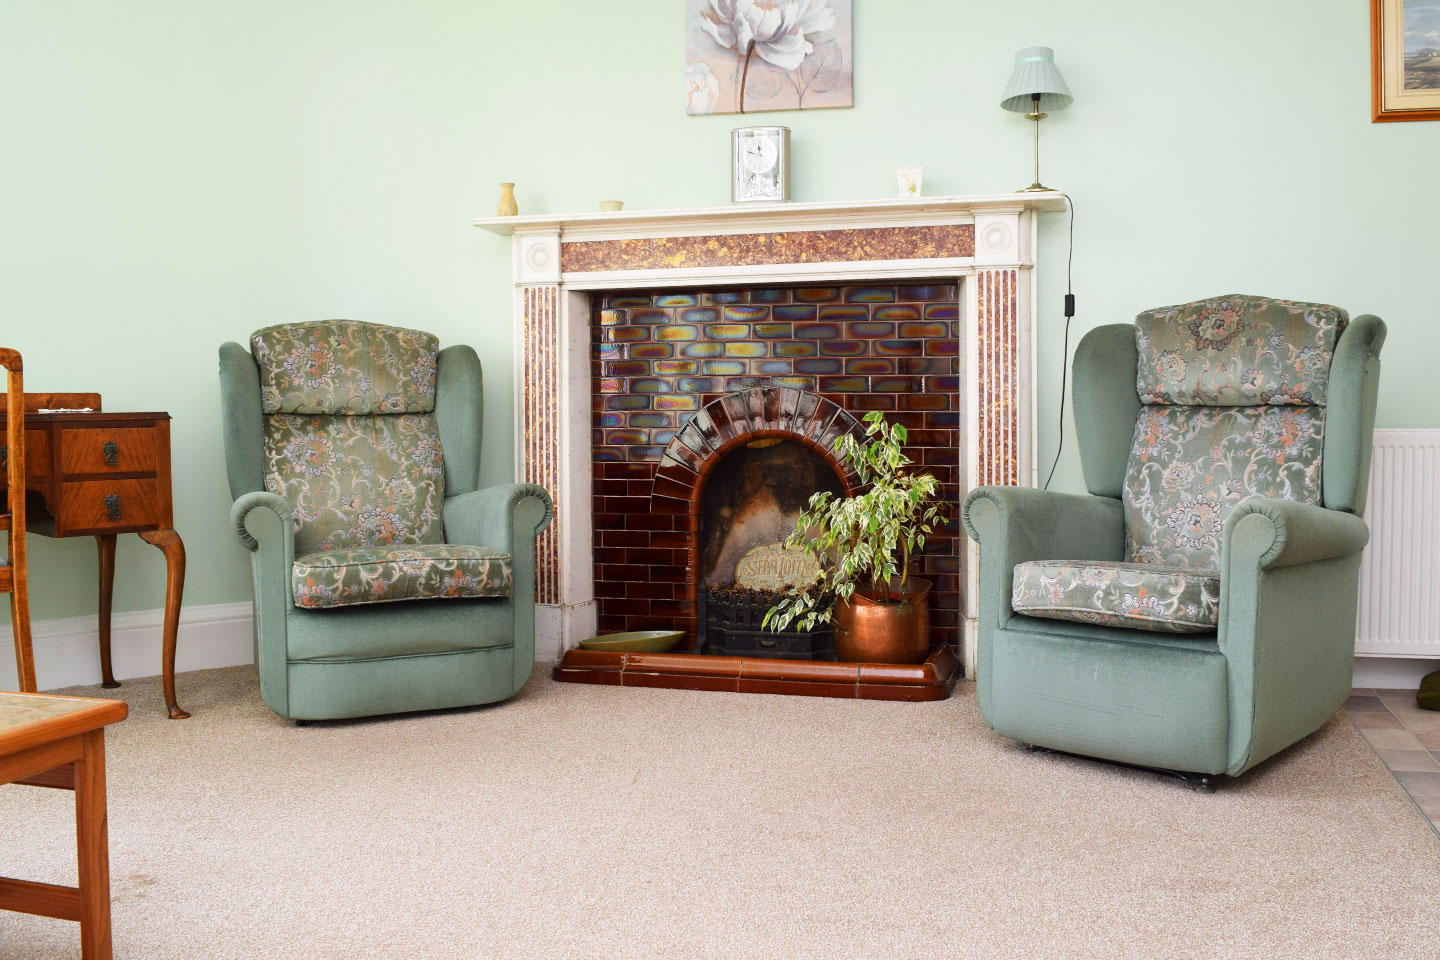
x: 868, y: 631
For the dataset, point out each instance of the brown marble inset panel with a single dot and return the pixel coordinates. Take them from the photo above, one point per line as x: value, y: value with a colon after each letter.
x: 761, y: 249
x: 541, y: 424
x: 997, y: 320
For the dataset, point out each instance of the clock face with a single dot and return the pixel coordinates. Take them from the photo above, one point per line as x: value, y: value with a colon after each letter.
x: 760, y: 154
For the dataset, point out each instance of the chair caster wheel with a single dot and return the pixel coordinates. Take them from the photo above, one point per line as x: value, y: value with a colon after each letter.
x: 302, y: 723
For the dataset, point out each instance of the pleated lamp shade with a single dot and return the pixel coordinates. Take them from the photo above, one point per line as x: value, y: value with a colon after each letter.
x: 1035, y: 72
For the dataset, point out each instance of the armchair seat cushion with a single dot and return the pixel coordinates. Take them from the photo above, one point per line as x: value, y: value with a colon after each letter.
x: 417, y: 571
x: 1134, y: 595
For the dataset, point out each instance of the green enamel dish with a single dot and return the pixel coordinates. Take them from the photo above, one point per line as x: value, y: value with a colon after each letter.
x: 636, y: 641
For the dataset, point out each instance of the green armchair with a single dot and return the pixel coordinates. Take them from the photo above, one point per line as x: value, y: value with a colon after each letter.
x: 385, y: 580
x: 1195, y: 612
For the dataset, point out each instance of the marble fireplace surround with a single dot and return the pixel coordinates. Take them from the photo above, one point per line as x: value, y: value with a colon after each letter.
x: 986, y: 244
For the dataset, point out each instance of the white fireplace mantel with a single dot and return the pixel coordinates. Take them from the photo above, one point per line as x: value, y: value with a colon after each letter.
x: 987, y: 244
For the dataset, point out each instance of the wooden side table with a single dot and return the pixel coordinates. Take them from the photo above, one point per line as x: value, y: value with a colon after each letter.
x: 101, y: 475
x: 48, y: 741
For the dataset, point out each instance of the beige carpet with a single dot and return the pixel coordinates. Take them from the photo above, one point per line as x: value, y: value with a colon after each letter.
x: 596, y: 822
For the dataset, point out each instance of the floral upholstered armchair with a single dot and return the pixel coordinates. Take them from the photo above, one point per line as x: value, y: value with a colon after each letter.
x: 1195, y: 612
x: 385, y: 580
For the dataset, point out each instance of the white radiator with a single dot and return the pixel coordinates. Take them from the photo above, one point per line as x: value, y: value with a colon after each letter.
x: 1400, y: 571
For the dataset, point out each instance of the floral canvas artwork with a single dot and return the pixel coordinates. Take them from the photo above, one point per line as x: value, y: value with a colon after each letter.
x: 749, y: 56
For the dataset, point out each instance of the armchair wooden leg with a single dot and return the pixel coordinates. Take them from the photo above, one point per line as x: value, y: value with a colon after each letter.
x: 92, y: 845
x: 20, y: 632
x: 169, y: 543
x: 106, y: 544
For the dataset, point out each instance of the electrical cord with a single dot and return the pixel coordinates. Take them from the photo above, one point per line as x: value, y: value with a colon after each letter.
x: 1065, y: 354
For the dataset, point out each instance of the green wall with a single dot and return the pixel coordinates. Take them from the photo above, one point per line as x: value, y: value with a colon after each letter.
x: 176, y: 173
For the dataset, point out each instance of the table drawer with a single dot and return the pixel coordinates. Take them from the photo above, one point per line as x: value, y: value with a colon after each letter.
x: 110, y: 504
x: 107, y: 450
x: 37, y: 454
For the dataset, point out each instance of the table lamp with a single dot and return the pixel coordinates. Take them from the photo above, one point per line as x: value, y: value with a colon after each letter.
x: 1035, y: 87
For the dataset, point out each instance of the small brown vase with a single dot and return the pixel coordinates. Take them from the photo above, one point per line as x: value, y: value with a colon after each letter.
x: 868, y: 631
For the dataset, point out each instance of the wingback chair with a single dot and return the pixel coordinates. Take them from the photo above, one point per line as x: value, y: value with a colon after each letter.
x: 1195, y: 612
x: 385, y: 579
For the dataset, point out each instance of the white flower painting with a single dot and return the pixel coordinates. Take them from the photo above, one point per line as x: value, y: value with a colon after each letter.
x: 748, y: 56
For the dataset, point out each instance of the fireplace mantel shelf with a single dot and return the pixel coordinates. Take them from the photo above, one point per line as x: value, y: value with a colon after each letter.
x: 750, y: 215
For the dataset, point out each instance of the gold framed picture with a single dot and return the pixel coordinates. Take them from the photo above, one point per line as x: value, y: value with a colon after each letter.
x: 1405, y: 60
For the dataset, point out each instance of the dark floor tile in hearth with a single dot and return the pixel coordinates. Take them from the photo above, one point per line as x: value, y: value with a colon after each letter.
x: 1404, y: 736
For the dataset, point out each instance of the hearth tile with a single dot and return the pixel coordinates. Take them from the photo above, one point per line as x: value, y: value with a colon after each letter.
x: 746, y: 313
x: 869, y: 329
x: 870, y: 365
x: 911, y: 421
x: 942, y: 384
x: 609, y: 622
x: 930, y: 291
x: 869, y: 401
x: 667, y: 487
x: 770, y: 368
x: 795, y: 312
x: 650, y: 556
x: 652, y: 591
x: 675, y: 300
x: 817, y: 294
x: 566, y: 674
x: 696, y: 384
x: 627, y: 334
x: 594, y: 659
x: 924, y: 437
x: 651, y: 385
x: 605, y: 555
x: 644, y: 453
x: 670, y: 574
x: 722, y: 368
x: 619, y: 572
x: 675, y: 468
x: 688, y: 524
x: 920, y: 693
x: 649, y: 351
x: 624, y: 368
x: 795, y: 383
x: 899, y: 348
x: 925, y: 401
x: 609, y: 419
x: 745, y: 348
x: 774, y: 331
x: 844, y: 312
x: 629, y: 471
x: 796, y: 348
x: 816, y: 331
x: 679, y: 681
x: 649, y: 317
x: 625, y: 300
x: 606, y: 454
x: 942, y: 311
x: 891, y: 673
x: 650, y: 521
x: 925, y: 330
x: 1378, y: 720
x: 797, y: 688
x: 821, y: 671
x: 671, y: 541
x: 611, y: 318
x: 610, y: 488
x: 685, y: 663
x: 927, y: 365
x: 946, y: 347
x: 734, y: 409
x: 669, y: 505
x: 624, y: 538
x: 770, y: 295
x: 869, y: 294
x: 843, y: 348
x: 683, y: 331
x: 898, y: 313
x: 728, y: 331
x: 723, y: 296
x: 844, y: 384
x: 949, y: 420
x: 694, y: 440
x: 675, y: 402
x: 674, y: 367
x: 702, y: 349
x: 745, y: 383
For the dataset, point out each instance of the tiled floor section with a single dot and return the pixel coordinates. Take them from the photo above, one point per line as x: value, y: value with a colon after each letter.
x: 1407, y: 739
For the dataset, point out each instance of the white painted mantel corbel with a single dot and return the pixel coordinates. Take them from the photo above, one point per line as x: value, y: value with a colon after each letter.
x: 559, y: 260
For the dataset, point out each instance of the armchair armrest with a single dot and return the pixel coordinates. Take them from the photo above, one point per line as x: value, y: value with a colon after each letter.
x: 1284, y: 533
x: 247, y: 503
x: 500, y: 517
x: 273, y: 546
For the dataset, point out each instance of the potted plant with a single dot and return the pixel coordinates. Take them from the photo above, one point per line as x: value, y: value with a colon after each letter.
x: 863, y: 545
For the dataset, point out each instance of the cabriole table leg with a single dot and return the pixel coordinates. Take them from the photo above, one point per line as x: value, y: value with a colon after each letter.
x: 169, y: 543
x: 106, y: 544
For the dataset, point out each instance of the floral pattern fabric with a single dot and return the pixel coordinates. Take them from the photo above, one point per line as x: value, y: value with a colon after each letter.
x: 1237, y: 351
x: 1190, y: 466
x: 357, y: 481
x: 345, y: 367
x: 343, y: 578
x: 1141, y: 597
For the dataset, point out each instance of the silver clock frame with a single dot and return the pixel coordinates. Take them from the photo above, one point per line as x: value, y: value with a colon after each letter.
x: 776, y: 182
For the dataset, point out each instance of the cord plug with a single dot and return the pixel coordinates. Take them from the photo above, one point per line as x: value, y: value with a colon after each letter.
x: 1069, y: 305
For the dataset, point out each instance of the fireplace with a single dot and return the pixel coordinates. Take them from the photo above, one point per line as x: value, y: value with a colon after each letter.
x: 570, y: 269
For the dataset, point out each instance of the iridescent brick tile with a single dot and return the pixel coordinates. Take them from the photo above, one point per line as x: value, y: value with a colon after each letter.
x: 607, y: 454
x: 610, y: 419
x: 626, y: 438
x: 794, y: 312
x: 702, y: 349
x: 844, y: 384
x: 869, y: 294
x: 695, y: 385
x: 899, y: 348
x: 925, y: 330
x: 816, y: 331
x: 774, y: 331
x: 795, y: 348
x: 745, y: 314
x: 649, y: 316
x: 650, y: 351
x: 644, y: 453
x: 675, y: 300
x: 869, y: 330
x: 895, y: 384
x: 608, y: 351
x: 610, y: 386
x: 722, y: 368
x: 841, y: 312
x: 674, y: 401
x: 942, y: 311
x: 871, y: 401
x: 942, y: 384
x: 798, y: 383
x: 700, y: 315
x: 675, y: 367
x: 945, y: 347
x: 626, y: 300
x: 627, y: 368
x: 944, y: 420
x: 772, y: 367
x: 662, y: 436
x: 678, y: 332
x: 745, y: 348
x: 842, y: 348
x: 770, y: 295
x: 746, y: 383
x: 897, y: 313
x: 817, y: 294
x: 727, y: 331
x: 929, y: 291
x: 723, y: 296
x: 651, y: 385
x: 930, y: 365
x: 819, y: 365
x: 611, y: 318
x: 628, y: 401
x: 869, y: 366
x: 627, y: 334
x: 651, y: 420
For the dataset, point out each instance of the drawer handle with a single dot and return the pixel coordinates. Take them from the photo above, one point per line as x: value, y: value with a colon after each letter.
x: 112, y: 455
x: 112, y: 506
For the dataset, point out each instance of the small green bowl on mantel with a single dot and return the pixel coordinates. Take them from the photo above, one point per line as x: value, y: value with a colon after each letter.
x: 636, y: 641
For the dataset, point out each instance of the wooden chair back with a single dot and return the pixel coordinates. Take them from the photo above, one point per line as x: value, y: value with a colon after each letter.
x: 12, y: 519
